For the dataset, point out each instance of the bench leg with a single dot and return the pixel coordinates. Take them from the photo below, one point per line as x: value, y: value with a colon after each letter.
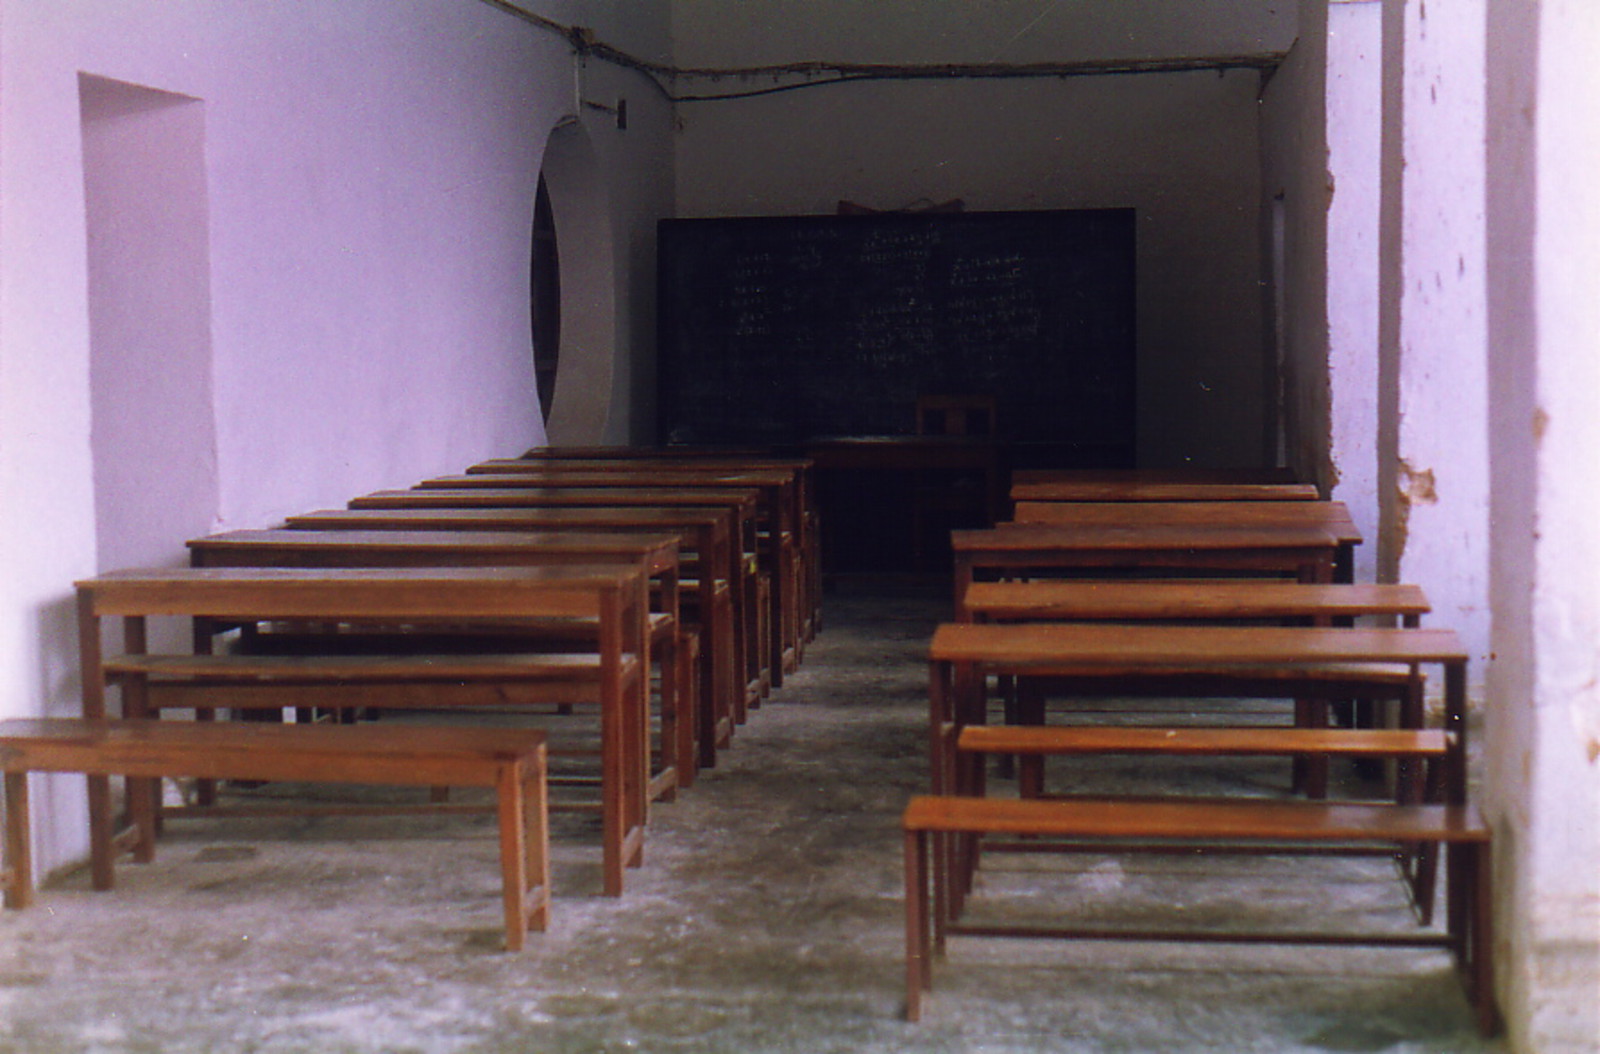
x: 919, y: 973
x: 19, y: 844
x: 524, y: 856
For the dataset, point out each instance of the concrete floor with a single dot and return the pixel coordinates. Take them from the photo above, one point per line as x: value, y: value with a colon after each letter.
x: 767, y: 918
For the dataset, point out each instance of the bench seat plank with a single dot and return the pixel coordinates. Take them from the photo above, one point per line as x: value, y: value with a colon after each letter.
x: 1102, y: 739
x: 1223, y: 821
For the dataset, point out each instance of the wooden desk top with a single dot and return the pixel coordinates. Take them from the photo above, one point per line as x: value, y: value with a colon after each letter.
x: 906, y: 451
x: 626, y: 452
x: 615, y: 473
x: 1153, y: 475
x: 658, y: 552
x: 606, y: 519
x: 1141, y: 490
x: 379, y: 593
x: 688, y: 457
x: 439, y: 494
x: 1334, y: 515
x: 1046, y: 599
x: 1092, y: 645
x: 1069, y: 538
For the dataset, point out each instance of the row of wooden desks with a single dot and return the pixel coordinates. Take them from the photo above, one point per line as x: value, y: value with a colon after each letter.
x: 515, y: 554
x: 786, y: 506
x: 721, y: 591
x: 1127, y: 583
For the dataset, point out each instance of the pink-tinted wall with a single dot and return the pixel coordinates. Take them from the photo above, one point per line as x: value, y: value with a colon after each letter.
x: 366, y: 184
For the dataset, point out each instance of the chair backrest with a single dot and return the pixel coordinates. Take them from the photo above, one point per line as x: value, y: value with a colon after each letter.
x: 956, y: 415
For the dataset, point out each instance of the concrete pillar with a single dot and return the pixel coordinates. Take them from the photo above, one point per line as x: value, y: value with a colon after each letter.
x: 1543, y: 740
x: 1354, y: 135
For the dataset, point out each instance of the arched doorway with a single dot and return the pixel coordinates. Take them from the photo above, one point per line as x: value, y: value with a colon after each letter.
x: 578, y: 406
x: 544, y: 299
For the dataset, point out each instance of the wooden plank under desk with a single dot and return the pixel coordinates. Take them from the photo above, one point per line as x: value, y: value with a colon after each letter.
x: 615, y: 595
x: 705, y: 531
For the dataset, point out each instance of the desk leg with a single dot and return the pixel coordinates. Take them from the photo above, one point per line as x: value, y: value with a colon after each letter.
x: 19, y: 842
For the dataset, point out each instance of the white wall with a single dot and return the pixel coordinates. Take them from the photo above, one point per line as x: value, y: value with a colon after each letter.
x: 370, y: 169
x: 725, y: 33
x: 1433, y: 453
x: 1180, y: 148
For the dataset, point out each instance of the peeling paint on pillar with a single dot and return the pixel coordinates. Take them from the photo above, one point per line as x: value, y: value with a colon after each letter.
x: 1412, y: 487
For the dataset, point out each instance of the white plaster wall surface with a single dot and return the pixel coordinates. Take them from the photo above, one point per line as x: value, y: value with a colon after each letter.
x: 1354, y: 123
x: 1442, y: 453
x: 757, y: 32
x: 1181, y: 149
x: 371, y: 169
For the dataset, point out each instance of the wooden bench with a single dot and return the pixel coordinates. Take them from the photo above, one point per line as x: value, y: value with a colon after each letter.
x: 1121, y: 825
x: 1033, y: 743
x: 510, y: 761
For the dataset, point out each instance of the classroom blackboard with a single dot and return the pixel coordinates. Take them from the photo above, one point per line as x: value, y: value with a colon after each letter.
x: 775, y: 330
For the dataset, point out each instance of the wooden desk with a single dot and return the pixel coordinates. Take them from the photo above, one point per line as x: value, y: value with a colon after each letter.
x: 1333, y: 515
x: 615, y: 596
x: 707, y: 532
x: 1175, y: 601
x: 852, y: 461
x: 1305, y: 552
x: 799, y: 497
x: 739, y: 503
x: 1169, y: 490
x: 779, y: 507
x: 961, y: 654
x: 655, y: 555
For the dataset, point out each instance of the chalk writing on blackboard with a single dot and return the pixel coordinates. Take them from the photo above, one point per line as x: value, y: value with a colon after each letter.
x: 778, y: 329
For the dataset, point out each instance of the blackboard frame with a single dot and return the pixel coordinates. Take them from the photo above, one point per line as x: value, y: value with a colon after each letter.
x: 776, y: 330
